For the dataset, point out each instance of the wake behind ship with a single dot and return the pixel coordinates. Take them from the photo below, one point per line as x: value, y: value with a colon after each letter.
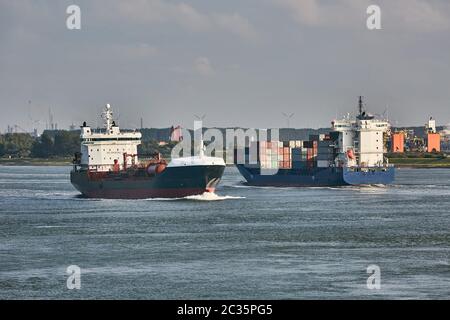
x: 351, y: 154
x: 108, y: 167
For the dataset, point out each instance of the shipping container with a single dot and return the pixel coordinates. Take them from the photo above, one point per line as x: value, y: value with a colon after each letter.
x: 323, y: 163
x: 307, y: 144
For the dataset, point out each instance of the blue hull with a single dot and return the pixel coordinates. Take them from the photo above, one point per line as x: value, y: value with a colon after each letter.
x: 315, y: 177
x: 371, y: 176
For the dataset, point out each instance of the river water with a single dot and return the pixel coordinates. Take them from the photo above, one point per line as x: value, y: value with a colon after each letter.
x: 243, y: 242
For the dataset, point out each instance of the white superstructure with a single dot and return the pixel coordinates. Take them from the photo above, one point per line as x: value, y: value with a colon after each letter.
x: 431, y: 126
x: 103, y: 149
x: 361, y: 141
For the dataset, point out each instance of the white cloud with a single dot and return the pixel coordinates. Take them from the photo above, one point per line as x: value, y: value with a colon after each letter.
x: 236, y: 24
x: 304, y: 11
x: 183, y: 15
x: 411, y: 15
x: 419, y: 15
x: 203, y: 66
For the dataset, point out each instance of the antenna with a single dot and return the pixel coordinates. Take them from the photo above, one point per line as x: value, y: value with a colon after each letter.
x: 107, y: 115
x: 360, y: 105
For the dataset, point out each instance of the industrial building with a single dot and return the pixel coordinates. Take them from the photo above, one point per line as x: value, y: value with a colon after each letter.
x: 433, y: 139
x: 398, y: 142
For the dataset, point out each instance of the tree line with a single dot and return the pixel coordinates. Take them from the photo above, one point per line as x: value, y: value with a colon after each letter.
x: 49, y: 144
x: 61, y: 143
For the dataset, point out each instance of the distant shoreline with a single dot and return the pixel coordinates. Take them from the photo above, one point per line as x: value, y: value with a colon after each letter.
x: 411, y: 163
x: 420, y: 162
x: 36, y: 162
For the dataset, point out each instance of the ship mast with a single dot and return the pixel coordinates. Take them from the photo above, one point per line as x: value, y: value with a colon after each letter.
x: 360, y: 106
x: 108, y: 116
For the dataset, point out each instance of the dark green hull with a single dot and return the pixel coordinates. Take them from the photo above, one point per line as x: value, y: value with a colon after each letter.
x: 173, y: 182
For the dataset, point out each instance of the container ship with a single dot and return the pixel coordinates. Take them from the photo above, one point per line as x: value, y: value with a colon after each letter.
x: 108, y: 167
x: 352, y: 153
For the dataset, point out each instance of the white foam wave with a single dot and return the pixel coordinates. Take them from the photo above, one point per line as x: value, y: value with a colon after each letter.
x: 48, y: 227
x: 207, y: 196
x: 211, y: 196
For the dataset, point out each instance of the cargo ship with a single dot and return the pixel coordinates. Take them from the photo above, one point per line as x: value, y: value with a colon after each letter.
x: 352, y: 153
x: 108, y: 167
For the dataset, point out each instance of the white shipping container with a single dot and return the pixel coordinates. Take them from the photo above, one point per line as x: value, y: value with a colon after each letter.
x: 323, y: 163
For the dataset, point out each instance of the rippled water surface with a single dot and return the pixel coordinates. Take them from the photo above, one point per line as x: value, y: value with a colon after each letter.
x: 243, y: 242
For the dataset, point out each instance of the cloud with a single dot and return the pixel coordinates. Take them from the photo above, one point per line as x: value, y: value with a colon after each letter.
x: 419, y: 15
x: 410, y: 15
x: 203, y: 66
x: 183, y: 15
x: 317, y: 13
x: 304, y: 11
x: 235, y: 24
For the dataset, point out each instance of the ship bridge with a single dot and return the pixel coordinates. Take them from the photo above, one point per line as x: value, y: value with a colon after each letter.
x: 102, y: 149
x: 363, y: 136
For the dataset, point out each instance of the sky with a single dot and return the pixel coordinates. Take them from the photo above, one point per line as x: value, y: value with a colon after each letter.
x: 238, y: 62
